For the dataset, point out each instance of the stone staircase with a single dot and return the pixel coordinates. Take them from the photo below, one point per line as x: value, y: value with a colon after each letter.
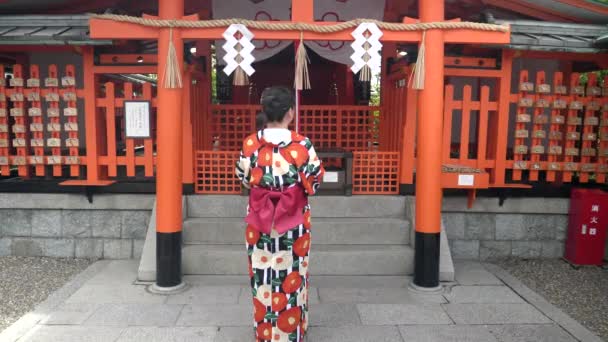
x: 352, y: 236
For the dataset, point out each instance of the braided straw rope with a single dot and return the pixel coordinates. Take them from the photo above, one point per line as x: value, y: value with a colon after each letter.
x: 419, y: 74
x: 296, y: 26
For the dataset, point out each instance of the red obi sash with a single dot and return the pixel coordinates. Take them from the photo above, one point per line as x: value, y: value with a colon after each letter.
x: 284, y: 208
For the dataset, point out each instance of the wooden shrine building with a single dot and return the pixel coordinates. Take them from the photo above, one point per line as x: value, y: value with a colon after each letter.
x: 518, y: 102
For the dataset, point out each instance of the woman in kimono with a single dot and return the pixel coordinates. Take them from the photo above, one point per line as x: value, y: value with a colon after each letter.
x: 281, y: 169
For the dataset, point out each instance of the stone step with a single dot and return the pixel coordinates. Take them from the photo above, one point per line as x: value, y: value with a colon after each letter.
x: 335, y: 260
x: 325, y: 231
x: 234, y: 206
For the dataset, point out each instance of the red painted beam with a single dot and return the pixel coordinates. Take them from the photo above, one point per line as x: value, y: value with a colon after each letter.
x: 106, y: 29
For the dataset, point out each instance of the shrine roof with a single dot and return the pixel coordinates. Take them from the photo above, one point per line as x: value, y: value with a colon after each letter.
x: 46, y: 30
x: 563, y: 37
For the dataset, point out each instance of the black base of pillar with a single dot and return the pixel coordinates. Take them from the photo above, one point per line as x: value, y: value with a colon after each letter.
x: 426, y: 263
x: 168, y: 259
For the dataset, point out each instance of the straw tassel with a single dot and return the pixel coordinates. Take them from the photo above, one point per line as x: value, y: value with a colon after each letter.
x: 302, y: 80
x: 173, y: 76
x: 418, y: 74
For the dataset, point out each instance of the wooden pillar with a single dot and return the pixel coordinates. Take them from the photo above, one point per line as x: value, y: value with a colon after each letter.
x: 94, y: 136
x: 301, y: 11
x: 169, y: 168
x: 428, y: 168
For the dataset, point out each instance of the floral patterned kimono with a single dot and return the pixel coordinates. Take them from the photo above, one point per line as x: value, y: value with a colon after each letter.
x: 277, y: 160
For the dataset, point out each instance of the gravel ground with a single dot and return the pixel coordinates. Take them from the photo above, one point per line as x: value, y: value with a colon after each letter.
x: 28, y: 281
x: 581, y: 293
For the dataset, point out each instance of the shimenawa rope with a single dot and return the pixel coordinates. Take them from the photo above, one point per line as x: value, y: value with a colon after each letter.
x: 173, y: 78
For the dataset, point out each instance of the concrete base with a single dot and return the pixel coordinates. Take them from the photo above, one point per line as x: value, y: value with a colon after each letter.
x: 167, y: 290
x: 425, y: 290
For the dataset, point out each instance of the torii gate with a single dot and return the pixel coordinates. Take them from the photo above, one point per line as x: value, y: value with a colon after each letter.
x: 429, y: 130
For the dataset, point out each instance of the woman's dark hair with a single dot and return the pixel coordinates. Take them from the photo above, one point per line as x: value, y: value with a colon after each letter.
x: 260, y: 121
x: 276, y: 102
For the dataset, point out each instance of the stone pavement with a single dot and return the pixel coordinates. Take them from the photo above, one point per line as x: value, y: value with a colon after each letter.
x: 104, y: 304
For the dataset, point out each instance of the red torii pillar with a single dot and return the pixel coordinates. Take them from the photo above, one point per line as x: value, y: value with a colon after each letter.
x: 169, y: 165
x: 428, y: 164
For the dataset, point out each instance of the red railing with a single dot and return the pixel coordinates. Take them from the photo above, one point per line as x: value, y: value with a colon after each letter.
x: 131, y: 153
x: 353, y: 128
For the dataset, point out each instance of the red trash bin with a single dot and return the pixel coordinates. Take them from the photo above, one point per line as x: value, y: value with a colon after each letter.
x: 588, y: 218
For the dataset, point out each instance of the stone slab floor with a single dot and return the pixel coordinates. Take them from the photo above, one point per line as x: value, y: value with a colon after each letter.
x: 107, y: 306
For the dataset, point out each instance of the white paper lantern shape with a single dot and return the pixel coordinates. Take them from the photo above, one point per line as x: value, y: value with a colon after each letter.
x: 238, y: 51
x: 366, y: 43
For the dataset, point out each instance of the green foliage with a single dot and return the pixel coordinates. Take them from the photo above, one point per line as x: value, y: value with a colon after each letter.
x: 600, y: 74
x: 374, y: 99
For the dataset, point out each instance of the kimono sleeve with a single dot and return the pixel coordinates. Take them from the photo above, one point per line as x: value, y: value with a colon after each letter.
x: 243, y: 169
x: 312, y: 171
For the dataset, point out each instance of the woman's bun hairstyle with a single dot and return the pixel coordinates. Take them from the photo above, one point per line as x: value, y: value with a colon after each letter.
x: 260, y: 121
x: 276, y: 102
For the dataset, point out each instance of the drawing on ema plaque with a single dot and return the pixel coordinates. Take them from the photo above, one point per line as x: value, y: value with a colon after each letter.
x: 137, y: 119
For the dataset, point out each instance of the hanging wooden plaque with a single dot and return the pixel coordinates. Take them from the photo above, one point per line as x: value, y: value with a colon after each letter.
x: 16, y: 82
x: 558, y: 119
x: 592, y: 121
x: 572, y: 151
x: 588, y: 152
x: 555, y: 150
x: 72, y: 160
x: 594, y: 91
x: 53, y: 160
x: 523, y: 118
x: 68, y: 81
x: 36, y: 160
x: 526, y: 86
x: 52, y: 112
x: 37, y: 142
x: 576, y: 105
x: 51, y: 97
x: 555, y: 135
x: 541, y: 119
x: 17, y: 97
x: 33, y: 82
x: 590, y: 136
x: 33, y: 96
x: 34, y: 111
x: 53, y: 142
x: 16, y: 111
x: 555, y: 166
x: 526, y: 102
x: 53, y: 127
x: 19, y: 142
x: 51, y: 82
x: 520, y: 165
x: 574, y: 121
x: 70, y: 111
x: 561, y: 90
x: 560, y: 104
x: 573, y: 135
x: 578, y: 90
